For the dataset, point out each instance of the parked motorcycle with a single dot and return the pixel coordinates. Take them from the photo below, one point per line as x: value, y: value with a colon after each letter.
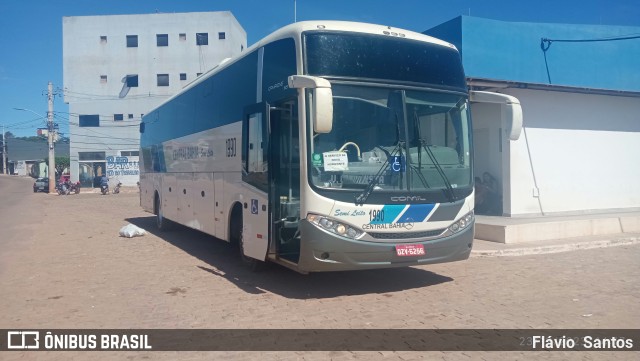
x: 62, y: 188
x: 68, y: 187
x: 74, y: 187
x: 116, y: 189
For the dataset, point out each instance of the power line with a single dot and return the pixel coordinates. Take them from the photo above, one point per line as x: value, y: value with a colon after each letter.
x: 545, y: 44
x: 95, y: 136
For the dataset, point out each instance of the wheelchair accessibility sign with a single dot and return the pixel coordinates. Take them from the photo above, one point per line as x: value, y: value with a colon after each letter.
x: 397, y: 164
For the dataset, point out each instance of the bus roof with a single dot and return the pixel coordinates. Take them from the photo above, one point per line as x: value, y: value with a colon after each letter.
x: 292, y: 30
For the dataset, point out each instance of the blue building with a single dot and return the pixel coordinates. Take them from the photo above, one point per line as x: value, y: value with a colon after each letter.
x: 579, y: 86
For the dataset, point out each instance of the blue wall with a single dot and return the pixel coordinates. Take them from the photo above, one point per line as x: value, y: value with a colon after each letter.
x: 511, y: 51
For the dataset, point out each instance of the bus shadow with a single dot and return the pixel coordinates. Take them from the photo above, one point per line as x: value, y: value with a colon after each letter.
x: 222, y: 259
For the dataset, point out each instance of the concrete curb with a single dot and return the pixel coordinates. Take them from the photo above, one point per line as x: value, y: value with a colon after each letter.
x: 556, y: 248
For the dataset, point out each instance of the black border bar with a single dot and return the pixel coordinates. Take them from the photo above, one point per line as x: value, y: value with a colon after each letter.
x: 320, y: 340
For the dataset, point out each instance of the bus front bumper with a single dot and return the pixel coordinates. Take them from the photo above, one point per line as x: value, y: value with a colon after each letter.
x: 321, y: 251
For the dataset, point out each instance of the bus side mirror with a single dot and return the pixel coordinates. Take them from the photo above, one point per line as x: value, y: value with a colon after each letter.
x: 510, y: 108
x: 141, y: 127
x: 321, y: 100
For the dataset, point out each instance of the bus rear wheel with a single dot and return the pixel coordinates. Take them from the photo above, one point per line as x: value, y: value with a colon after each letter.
x: 162, y: 223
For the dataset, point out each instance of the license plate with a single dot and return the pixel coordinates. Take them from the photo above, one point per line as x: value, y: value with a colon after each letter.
x: 408, y: 250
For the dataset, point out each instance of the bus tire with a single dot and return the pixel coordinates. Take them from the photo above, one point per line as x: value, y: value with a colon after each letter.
x: 162, y: 223
x: 236, y: 235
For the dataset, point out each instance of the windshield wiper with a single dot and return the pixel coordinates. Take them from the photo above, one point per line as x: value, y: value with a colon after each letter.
x: 423, y: 144
x: 450, y: 194
x: 362, y: 197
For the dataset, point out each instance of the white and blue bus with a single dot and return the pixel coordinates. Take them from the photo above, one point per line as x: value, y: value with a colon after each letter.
x: 325, y: 146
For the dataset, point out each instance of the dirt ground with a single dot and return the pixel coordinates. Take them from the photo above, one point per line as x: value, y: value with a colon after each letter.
x: 64, y: 265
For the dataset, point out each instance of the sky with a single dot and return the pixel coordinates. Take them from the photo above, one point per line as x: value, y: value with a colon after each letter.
x: 31, y: 39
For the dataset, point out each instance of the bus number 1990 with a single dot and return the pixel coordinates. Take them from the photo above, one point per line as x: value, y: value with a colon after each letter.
x: 376, y: 215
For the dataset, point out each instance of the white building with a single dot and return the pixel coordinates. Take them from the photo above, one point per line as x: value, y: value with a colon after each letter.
x: 118, y: 67
x: 579, y: 86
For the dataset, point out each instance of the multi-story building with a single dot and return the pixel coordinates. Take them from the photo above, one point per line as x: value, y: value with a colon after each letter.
x: 119, y: 67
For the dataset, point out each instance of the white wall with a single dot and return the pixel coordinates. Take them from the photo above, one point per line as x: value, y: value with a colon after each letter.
x: 581, y: 150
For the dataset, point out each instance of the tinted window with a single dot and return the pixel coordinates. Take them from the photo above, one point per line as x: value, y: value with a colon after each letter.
x: 163, y: 79
x: 202, y: 39
x: 132, y: 81
x: 132, y: 41
x: 382, y: 57
x: 91, y: 155
x: 279, y: 63
x: 162, y: 39
x: 89, y: 120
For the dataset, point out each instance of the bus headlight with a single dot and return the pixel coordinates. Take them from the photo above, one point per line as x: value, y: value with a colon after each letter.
x: 334, y: 226
x: 462, y: 223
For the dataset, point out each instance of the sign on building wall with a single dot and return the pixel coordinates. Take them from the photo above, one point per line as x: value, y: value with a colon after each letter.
x: 123, y: 169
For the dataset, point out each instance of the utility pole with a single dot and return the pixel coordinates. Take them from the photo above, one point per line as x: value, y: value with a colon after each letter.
x: 4, y: 151
x: 52, y: 155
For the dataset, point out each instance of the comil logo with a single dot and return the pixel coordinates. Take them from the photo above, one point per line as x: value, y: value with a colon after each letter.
x: 23, y: 340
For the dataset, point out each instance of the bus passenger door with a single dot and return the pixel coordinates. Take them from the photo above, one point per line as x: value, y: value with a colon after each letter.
x: 284, y: 191
x: 255, y: 175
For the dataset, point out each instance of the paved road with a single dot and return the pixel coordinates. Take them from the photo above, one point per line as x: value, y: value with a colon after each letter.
x: 63, y: 265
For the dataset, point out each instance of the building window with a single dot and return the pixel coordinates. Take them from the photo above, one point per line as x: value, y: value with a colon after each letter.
x: 202, y: 38
x: 221, y: 36
x: 103, y: 79
x: 182, y: 37
x: 198, y: 74
x: 163, y: 79
x: 132, y: 81
x: 130, y: 116
x: 183, y: 76
x: 130, y: 153
x: 91, y: 155
x: 92, y: 120
x: 118, y: 117
x: 103, y: 39
x: 162, y: 39
x: 132, y: 41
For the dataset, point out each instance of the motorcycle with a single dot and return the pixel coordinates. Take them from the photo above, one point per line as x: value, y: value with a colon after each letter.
x: 68, y: 187
x: 62, y: 188
x: 116, y: 189
x: 104, y: 189
x: 74, y: 187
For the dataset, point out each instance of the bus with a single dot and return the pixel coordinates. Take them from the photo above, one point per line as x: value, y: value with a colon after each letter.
x: 326, y: 146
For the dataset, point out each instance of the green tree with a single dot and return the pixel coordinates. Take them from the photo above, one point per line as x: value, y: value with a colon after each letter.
x: 61, y: 163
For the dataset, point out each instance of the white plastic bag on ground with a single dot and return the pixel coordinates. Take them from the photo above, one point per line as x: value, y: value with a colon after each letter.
x: 130, y: 231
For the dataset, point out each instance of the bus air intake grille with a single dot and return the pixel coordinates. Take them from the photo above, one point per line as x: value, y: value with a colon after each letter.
x: 403, y: 235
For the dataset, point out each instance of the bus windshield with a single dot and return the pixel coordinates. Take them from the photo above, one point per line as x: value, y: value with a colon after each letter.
x: 366, y: 56
x: 392, y: 139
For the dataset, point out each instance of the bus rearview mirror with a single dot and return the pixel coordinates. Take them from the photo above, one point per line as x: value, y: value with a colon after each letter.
x: 321, y: 100
x: 322, y: 110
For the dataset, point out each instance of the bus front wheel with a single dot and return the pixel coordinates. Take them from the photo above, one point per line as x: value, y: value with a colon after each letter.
x: 238, y: 238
